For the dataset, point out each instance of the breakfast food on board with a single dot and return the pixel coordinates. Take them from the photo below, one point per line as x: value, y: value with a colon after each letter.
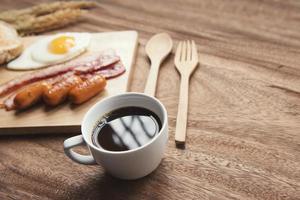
x: 111, y: 72
x: 104, y: 60
x: 78, y: 80
x: 46, y: 16
x: 101, y: 59
x: 51, y: 50
x: 87, y: 89
x: 58, y: 92
x: 29, y: 95
x: 71, y: 70
x: 10, y: 43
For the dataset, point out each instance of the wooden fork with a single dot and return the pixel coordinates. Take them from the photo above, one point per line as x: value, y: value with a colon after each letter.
x: 186, y: 61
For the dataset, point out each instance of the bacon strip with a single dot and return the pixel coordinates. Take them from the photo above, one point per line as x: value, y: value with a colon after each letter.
x: 33, y: 77
x: 96, y: 61
x: 105, y: 60
x: 110, y: 72
x: 117, y: 70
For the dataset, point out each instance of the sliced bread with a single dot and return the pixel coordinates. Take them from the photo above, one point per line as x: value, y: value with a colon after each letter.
x: 10, y: 43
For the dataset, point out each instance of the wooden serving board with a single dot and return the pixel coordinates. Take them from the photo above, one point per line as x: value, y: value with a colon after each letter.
x: 67, y: 118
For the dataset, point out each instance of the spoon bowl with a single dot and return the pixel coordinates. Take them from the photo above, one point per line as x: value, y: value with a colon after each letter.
x: 159, y: 46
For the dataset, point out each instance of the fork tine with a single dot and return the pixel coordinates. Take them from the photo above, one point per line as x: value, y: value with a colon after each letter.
x: 194, y: 51
x: 183, y: 51
x: 189, y: 50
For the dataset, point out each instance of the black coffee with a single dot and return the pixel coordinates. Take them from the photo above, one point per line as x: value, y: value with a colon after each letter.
x: 126, y: 128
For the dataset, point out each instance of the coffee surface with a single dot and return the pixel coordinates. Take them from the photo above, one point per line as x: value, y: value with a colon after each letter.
x: 126, y: 128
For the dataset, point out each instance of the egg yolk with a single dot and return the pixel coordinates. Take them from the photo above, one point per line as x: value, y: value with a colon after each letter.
x: 61, y: 45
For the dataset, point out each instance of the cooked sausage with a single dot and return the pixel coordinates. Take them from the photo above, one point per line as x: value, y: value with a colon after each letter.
x: 58, y: 92
x: 8, y: 103
x: 29, y: 95
x: 87, y: 89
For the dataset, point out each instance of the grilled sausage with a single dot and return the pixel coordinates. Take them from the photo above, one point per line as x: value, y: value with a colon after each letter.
x: 87, y: 89
x: 58, y: 92
x: 29, y: 95
x: 8, y: 103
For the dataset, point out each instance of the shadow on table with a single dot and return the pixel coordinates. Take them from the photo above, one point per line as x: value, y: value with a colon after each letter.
x: 107, y: 187
x: 95, y: 184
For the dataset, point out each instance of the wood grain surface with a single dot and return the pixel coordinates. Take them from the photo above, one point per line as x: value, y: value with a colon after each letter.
x: 243, y: 135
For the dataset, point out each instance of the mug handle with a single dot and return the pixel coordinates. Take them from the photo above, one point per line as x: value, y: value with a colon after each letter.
x: 73, y: 142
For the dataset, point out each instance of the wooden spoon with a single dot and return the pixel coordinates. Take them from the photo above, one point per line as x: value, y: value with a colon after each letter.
x: 157, y: 49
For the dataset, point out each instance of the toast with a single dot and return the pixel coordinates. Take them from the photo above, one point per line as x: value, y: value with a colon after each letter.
x: 10, y: 43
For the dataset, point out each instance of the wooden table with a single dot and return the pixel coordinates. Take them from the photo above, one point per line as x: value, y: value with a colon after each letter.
x: 244, y: 115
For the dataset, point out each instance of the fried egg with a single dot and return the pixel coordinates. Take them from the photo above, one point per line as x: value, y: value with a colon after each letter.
x: 52, y: 50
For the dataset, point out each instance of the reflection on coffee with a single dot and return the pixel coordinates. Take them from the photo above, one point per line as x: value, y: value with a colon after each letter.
x: 125, y: 129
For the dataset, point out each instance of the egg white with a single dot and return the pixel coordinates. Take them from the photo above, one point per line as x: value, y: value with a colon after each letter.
x: 42, y: 54
x: 37, y: 55
x: 25, y: 62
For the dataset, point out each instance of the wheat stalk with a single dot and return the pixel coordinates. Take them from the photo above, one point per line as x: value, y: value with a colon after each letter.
x: 46, y: 16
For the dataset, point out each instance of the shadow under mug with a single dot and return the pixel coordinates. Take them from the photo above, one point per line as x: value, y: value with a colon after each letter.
x: 131, y: 164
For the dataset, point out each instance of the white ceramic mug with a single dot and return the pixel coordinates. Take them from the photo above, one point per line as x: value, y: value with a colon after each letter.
x: 131, y: 164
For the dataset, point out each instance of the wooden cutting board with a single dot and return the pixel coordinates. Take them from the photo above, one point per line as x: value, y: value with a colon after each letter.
x: 67, y: 118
